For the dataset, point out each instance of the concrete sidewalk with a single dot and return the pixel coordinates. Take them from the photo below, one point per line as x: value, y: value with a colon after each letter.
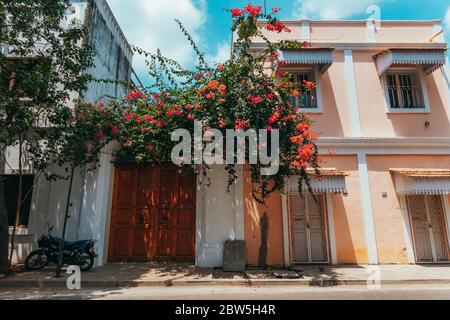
x: 164, y: 275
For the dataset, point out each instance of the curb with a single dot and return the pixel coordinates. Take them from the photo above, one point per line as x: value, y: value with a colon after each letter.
x: 61, y: 283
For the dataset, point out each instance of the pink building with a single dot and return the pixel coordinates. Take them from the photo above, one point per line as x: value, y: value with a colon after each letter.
x: 382, y: 108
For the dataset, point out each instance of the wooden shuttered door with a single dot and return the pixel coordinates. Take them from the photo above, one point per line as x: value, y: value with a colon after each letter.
x: 153, y: 215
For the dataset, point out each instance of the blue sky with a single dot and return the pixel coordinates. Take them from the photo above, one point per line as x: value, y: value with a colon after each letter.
x: 150, y: 23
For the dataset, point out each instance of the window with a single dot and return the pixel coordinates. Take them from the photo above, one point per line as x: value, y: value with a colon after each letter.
x: 11, y: 184
x: 307, y: 99
x: 403, y: 90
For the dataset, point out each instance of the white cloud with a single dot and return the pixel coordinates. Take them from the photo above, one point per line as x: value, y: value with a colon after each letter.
x: 447, y: 20
x: 150, y: 25
x: 222, y: 54
x: 331, y: 9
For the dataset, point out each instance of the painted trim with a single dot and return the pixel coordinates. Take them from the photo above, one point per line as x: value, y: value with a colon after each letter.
x: 351, y: 93
x: 331, y: 230
x: 286, y: 245
x: 306, y: 30
x: 407, y: 230
x: 366, y: 201
x: 364, y: 46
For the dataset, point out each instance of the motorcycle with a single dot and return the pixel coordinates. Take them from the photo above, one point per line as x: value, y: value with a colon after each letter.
x: 79, y: 253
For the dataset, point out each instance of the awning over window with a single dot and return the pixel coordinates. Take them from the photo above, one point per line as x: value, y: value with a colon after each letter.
x: 422, y: 181
x: 330, y: 181
x: 321, y: 57
x: 429, y: 59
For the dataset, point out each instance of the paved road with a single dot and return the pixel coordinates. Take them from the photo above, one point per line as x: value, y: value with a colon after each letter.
x: 233, y: 293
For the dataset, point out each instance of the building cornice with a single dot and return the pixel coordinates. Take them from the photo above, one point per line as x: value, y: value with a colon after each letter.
x: 399, y: 142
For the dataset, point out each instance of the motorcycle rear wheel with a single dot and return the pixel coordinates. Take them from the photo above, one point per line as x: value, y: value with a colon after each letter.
x: 36, y: 260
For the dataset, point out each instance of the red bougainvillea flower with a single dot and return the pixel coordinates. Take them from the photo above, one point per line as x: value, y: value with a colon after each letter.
x: 134, y: 95
x: 275, y: 118
x: 306, y: 44
x: 236, y: 12
x: 297, y: 140
x: 255, y: 99
x: 275, y: 10
x: 252, y: 10
x: 115, y: 131
x: 148, y: 118
x: 241, y: 124
x: 309, y: 85
x: 222, y: 123
x: 303, y: 127
x: 220, y: 67
x: 299, y: 165
x: 129, y: 116
x: 278, y: 27
x: 191, y: 117
x: 149, y: 148
x: 305, y: 152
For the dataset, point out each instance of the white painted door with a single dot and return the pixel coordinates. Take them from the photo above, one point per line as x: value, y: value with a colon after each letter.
x: 428, y: 229
x: 309, y: 236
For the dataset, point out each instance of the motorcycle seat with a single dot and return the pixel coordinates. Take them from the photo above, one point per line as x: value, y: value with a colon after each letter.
x: 74, y: 244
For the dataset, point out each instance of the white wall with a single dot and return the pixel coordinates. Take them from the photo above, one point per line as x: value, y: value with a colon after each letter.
x: 220, y: 216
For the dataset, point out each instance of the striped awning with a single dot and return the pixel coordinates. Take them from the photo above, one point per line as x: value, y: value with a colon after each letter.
x: 320, y: 57
x: 330, y: 180
x: 429, y: 59
x: 422, y: 181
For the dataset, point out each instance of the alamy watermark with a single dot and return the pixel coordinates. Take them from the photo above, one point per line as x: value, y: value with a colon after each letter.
x: 210, y: 147
x: 74, y: 280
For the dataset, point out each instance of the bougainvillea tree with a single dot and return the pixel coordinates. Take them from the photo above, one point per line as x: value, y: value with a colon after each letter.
x: 249, y: 91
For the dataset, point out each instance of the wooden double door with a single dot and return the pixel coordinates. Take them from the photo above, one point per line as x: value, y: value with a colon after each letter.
x: 309, y: 229
x: 429, y: 229
x: 153, y: 215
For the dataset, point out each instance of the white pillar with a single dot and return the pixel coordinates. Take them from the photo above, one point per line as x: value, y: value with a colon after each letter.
x: 366, y: 201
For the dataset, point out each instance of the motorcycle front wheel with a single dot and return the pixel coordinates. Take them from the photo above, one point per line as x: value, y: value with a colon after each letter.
x: 36, y: 260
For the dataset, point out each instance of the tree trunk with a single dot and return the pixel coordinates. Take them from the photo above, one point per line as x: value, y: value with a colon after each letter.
x: 4, y: 231
x: 18, y: 205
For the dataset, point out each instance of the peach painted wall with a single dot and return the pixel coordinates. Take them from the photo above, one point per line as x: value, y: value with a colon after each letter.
x: 348, y: 219
x: 377, y: 122
x: 387, y: 213
x: 335, y: 119
x: 338, y: 32
x: 412, y: 32
x: 253, y: 213
x: 347, y: 213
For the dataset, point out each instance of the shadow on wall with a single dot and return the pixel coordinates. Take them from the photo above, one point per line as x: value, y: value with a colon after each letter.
x: 344, y: 243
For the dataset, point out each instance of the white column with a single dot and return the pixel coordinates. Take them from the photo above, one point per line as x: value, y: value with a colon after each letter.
x: 351, y: 93
x: 366, y: 201
x: 331, y: 230
x: 286, y: 244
